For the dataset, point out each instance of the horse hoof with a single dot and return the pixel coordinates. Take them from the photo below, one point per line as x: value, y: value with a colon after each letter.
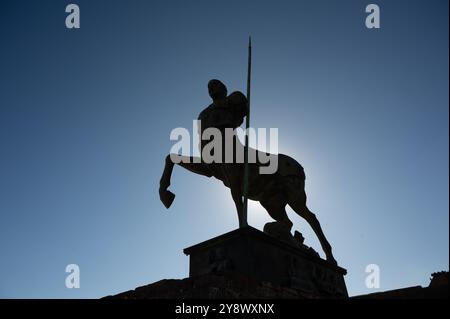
x: 166, y: 197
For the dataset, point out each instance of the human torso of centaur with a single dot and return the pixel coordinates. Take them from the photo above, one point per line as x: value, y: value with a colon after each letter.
x: 224, y: 113
x: 230, y: 113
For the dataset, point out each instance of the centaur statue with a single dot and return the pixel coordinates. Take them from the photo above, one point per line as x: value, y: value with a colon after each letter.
x: 274, y: 191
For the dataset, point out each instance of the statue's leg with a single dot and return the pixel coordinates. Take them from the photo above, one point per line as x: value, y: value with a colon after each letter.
x: 232, y: 177
x: 165, y: 195
x: 236, y: 193
x: 277, y: 210
x: 195, y: 166
x: 188, y: 162
x: 299, y: 206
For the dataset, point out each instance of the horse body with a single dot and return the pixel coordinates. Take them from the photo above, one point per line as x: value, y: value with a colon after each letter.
x: 273, y: 191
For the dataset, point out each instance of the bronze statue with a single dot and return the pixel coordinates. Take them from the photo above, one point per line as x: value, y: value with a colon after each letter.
x: 274, y: 191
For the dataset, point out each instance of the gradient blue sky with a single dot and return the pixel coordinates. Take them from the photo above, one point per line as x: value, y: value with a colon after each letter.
x: 85, y: 117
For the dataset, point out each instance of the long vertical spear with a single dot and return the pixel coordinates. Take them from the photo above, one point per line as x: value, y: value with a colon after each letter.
x: 247, y: 127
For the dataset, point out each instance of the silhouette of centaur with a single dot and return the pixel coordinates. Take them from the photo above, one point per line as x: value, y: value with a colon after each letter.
x: 274, y: 191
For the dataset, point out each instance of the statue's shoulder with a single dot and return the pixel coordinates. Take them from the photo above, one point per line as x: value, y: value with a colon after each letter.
x: 237, y: 98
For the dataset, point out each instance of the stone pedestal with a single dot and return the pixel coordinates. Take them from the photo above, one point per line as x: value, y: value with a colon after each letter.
x: 250, y: 252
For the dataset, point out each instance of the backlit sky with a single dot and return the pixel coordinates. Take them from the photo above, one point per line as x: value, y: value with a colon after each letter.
x: 85, y: 118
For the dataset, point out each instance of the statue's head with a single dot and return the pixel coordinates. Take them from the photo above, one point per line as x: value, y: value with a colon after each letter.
x: 217, y: 90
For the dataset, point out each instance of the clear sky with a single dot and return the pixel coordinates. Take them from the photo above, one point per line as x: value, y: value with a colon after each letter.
x: 85, y: 118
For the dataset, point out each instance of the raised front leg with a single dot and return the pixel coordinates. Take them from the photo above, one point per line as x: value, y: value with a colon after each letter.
x: 188, y: 162
x: 165, y: 195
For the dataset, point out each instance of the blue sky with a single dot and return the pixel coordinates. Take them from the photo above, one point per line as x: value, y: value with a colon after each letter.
x: 85, y: 118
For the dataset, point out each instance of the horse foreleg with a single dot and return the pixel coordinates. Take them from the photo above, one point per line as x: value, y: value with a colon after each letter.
x: 194, y: 165
x: 188, y: 162
x: 165, y: 195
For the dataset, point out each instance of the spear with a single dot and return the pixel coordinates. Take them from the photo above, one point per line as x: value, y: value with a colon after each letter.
x: 247, y: 127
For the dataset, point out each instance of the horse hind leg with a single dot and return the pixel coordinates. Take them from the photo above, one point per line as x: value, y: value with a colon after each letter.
x: 298, y: 204
x: 282, y: 226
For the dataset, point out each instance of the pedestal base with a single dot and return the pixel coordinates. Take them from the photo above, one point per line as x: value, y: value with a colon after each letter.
x: 250, y: 252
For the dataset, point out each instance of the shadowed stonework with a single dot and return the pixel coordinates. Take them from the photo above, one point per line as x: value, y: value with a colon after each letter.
x: 252, y: 253
x: 247, y: 263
